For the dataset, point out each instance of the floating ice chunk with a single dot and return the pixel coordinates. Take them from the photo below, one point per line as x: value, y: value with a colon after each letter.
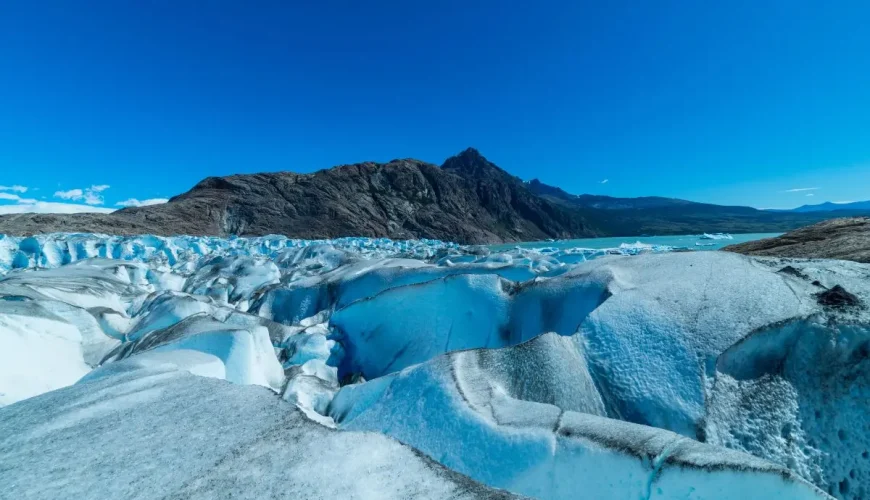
x: 716, y: 236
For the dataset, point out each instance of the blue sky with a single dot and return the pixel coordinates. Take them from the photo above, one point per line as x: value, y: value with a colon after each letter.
x: 726, y: 102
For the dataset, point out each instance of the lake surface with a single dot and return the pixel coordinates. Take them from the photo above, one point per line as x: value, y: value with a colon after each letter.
x: 690, y: 241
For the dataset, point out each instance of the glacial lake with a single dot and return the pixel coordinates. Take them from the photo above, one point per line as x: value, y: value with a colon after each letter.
x: 690, y: 241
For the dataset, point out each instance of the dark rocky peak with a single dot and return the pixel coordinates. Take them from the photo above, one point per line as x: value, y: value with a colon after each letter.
x: 471, y: 164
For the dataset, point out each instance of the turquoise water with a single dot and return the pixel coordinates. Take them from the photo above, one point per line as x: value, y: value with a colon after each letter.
x: 682, y: 241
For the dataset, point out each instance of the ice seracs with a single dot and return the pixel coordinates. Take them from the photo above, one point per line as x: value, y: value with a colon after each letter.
x: 547, y: 372
x: 526, y: 418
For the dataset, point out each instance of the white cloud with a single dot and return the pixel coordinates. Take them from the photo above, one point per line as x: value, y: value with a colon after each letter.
x: 605, y: 181
x: 48, y: 207
x: 133, y: 202
x: 72, y: 194
x: 810, y: 194
x: 16, y: 198
x: 798, y: 190
x: 90, y: 196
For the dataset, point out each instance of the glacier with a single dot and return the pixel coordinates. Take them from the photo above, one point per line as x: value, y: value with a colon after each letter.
x: 372, y: 368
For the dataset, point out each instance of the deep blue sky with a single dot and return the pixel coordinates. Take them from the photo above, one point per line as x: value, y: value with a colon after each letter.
x: 727, y: 102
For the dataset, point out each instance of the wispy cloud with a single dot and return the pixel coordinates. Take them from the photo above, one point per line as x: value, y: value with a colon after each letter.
x: 93, y: 198
x: 15, y: 198
x: 90, y: 196
x: 810, y: 194
x: 798, y: 190
x: 72, y: 194
x: 49, y: 207
x: 605, y: 181
x: 32, y: 205
x: 133, y: 202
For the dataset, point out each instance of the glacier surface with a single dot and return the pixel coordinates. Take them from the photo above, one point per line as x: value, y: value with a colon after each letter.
x: 372, y: 368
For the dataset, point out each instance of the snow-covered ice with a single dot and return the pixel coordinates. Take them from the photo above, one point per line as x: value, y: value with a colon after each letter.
x: 155, y: 432
x: 526, y: 418
x: 633, y: 372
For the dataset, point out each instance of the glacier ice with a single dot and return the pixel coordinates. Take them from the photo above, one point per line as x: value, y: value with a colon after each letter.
x: 152, y: 431
x: 45, y: 345
x: 627, y: 372
x: 495, y: 416
x: 238, y: 353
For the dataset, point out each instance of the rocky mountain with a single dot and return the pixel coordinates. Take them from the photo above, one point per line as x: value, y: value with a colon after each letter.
x: 467, y: 200
x: 846, y: 238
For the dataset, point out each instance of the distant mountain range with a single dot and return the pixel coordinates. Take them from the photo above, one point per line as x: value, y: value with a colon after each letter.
x: 831, y: 207
x: 557, y: 195
x: 468, y: 199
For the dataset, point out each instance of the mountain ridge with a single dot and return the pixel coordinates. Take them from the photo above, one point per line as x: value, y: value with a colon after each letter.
x: 468, y: 199
x: 830, y: 206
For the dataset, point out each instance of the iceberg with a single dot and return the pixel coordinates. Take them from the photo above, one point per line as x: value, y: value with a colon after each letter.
x: 716, y: 236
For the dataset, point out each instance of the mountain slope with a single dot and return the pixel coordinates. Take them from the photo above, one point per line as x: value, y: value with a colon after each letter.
x: 846, y: 239
x: 469, y: 200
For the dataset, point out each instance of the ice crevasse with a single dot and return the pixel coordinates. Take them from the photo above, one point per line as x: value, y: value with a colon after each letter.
x: 549, y: 373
